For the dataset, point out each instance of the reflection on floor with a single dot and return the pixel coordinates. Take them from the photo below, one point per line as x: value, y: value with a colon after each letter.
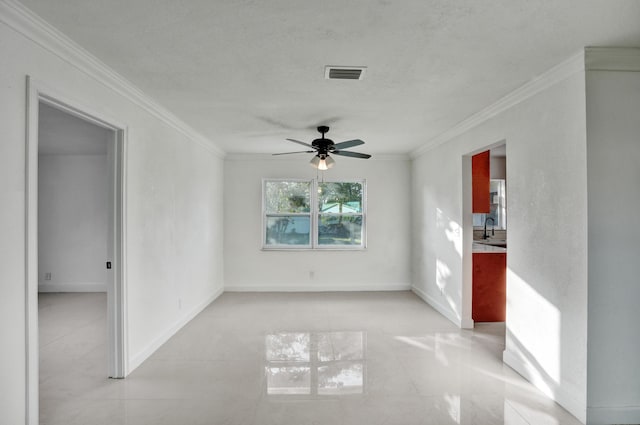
x: 316, y: 363
x: 289, y: 358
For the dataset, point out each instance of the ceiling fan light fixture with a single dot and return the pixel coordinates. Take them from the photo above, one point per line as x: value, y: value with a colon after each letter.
x: 322, y: 162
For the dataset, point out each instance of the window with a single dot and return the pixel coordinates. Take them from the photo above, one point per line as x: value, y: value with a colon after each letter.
x: 498, y: 205
x: 306, y: 214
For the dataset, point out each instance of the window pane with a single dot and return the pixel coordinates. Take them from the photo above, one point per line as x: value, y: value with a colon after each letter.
x: 339, y: 230
x: 287, y: 197
x: 340, y: 198
x: 288, y: 230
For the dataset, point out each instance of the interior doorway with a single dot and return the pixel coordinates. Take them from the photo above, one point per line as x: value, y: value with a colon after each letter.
x: 82, y: 173
x: 485, y: 235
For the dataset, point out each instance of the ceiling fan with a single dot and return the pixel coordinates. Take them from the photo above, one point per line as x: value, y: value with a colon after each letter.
x: 322, y: 147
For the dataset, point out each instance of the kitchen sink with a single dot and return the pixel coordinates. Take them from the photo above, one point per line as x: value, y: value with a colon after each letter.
x: 502, y: 243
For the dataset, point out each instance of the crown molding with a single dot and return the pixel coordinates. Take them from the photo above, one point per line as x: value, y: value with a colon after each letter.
x: 269, y: 157
x: 27, y: 23
x: 612, y: 59
x: 558, y: 73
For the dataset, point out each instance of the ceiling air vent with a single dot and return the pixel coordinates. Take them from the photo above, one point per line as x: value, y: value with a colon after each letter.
x: 344, y: 72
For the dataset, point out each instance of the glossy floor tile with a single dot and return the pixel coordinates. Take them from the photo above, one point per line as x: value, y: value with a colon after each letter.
x: 288, y: 358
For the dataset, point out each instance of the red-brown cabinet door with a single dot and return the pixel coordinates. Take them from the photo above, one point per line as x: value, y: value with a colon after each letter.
x: 481, y: 176
x: 489, y: 287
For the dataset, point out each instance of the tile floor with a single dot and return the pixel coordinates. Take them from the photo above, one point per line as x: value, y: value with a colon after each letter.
x: 288, y: 358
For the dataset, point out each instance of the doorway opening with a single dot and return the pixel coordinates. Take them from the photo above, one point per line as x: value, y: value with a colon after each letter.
x: 75, y: 229
x: 485, y: 235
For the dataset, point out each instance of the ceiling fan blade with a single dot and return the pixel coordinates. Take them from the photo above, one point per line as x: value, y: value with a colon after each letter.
x: 300, y: 143
x: 348, y: 144
x: 352, y: 154
x: 289, y: 153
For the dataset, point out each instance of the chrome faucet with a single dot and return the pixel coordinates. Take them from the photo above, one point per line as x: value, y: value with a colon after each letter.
x: 493, y: 228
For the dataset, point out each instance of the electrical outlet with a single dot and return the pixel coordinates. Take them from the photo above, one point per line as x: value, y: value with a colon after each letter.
x: 312, y: 274
x: 47, y: 276
x: 179, y: 303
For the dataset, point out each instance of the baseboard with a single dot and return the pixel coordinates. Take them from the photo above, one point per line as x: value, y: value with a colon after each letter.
x: 554, y: 392
x: 317, y: 287
x: 137, y: 359
x: 613, y: 415
x: 467, y: 324
x: 72, y: 287
x: 440, y: 308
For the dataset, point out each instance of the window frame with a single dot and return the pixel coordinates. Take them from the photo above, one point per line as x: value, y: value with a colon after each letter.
x: 314, y: 216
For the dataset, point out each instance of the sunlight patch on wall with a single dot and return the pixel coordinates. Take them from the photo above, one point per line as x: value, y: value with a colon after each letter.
x: 443, y: 277
x: 443, y: 272
x: 539, y: 347
x: 451, y: 229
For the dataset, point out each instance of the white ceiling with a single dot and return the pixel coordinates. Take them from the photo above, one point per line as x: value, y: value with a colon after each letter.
x: 249, y: 73
x: 60, y: 133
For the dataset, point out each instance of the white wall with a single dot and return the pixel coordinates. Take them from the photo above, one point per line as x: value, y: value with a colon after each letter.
x: 173, y: 201
x: 545, y: 137
x: 175, y: 255
x: 613, y: 148
x: 498, y: 167
x: 385, y: 264
x: 72, y: 222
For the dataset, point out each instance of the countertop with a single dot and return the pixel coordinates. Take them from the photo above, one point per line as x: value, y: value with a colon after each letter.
x: 480, y: 248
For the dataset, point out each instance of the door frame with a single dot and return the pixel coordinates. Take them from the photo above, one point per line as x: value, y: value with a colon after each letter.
x: 467, y: 321
x: 38, y: 92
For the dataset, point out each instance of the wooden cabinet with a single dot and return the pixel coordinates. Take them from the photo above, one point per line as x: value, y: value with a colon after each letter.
x: 489, y: 287
x: 480, y: 176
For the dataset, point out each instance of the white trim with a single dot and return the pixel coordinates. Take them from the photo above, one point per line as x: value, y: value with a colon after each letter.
x: 612, y: 59
x: 31, y: 26
x: 143, y: 355
x: 122, y: 316
x: 72, y: 287
x: 317, y: 287
x: 467, y: 323
x: 553, y: 76
x: 37, y: 92
x: 441, y: 308
x: 466, y: 294
x: 613, y: 415
x: 238, y: 156
x: 117, y: 282
x: 32, y: 360
x: 557, y: 393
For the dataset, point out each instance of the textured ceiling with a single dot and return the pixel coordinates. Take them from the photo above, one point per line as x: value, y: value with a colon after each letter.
x: 249, y: 73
